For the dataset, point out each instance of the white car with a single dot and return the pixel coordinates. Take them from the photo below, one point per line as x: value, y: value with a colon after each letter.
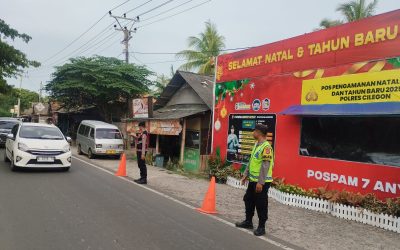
x: 35, y: 145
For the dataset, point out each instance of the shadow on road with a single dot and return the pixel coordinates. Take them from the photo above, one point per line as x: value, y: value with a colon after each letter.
x: 41, y: 170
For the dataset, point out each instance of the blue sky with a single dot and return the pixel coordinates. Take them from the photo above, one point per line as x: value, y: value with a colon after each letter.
x: 54, y: 24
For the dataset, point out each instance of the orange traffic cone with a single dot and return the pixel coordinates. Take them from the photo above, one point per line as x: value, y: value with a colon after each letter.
x: 208, y: 206
x: 122, y: 166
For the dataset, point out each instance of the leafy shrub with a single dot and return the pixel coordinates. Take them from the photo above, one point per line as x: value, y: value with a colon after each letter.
x: 149, y: 159
x: 368, y: 201
x: 215, y: 163
x: 236, y: 174
x: 173, y: 164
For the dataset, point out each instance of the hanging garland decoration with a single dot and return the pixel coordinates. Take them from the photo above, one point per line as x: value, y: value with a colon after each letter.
x: 395, y: 62
x: 229, y: 88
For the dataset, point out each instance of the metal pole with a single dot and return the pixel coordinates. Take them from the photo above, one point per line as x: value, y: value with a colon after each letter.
x: 183, y: 139
x: 126, y: 42
x: 40, y: 92
x: 127, y: 32
x: 19, y: 97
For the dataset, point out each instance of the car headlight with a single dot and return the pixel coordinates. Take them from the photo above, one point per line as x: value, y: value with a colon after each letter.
x: 22, y: 147
x: 99, y: 146
x: 121, y: 146
x: 66, y: 148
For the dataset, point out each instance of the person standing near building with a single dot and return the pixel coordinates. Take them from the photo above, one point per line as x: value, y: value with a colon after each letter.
x: 259, y: 174
x: 141, y: 148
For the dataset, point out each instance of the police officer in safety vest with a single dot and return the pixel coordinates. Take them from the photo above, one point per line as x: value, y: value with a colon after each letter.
x: 259, y: 174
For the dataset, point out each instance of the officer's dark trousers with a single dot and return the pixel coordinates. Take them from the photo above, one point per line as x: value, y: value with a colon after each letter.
x: 259, y: 201
x: 142, y: 165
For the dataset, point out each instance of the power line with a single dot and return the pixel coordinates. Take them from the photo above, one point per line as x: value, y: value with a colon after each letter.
x: 156, y: 7
x: 85, y: 45
x: 89, y: 44
x: 97, y: 51
x: 99, y: 43
x: 116, y: 7
x: 143, y: 4
x: 161, y: 13
x: 84, y: 33
x: 108, y: 46
x: 175, y: 53
x: 160, y: 62
x: 164, y: 18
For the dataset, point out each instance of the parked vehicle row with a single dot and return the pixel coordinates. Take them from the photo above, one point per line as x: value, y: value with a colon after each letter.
x: 37, y: 145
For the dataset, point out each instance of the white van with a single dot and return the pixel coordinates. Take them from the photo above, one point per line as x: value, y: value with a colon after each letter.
x: 99, y: 138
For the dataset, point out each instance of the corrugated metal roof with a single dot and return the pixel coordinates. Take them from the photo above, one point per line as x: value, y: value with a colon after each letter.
x: 201, y: 84
x: 178, y: 111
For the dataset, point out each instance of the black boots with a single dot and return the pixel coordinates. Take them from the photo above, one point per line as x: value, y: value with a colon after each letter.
x: 141, y: 181
x: 259, y: 231
x: 244, y: 224
x: 249, y: 225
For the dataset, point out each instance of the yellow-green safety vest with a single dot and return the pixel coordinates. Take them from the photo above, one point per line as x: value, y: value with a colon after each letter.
x: 256, y: 160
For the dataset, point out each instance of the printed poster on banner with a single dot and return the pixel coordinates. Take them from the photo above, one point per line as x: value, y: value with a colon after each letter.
x: 240, y: 140
x: 383, y: 86
x: 140, y: 108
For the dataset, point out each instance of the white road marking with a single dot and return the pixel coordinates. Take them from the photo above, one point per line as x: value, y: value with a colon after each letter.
x: 275, y: 243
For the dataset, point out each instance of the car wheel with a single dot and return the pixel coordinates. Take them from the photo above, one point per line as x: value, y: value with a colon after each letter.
x: 79, y: 150
x: 90, y: 154
x: 5, y: 157
x: 12, y: 165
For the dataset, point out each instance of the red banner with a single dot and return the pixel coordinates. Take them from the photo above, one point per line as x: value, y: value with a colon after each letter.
x: 369, y: 39
x: 262, y: 82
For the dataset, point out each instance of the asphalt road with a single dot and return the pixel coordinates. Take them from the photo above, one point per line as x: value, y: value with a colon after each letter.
x: 89, y: 209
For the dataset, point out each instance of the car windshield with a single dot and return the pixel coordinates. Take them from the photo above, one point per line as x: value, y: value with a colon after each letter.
x: 108, y: 133
x: 7, y: 124
x: 36, y: 132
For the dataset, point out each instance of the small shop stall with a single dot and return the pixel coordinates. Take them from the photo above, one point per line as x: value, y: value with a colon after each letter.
x: 180, y: 125
x: 331, y: 100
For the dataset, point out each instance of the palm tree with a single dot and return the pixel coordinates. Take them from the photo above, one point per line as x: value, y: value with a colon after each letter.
x: 357, y: 9
x: 327, y: 23
x: 203, y: 50
x: 351, y: 11
x: 161, y: 82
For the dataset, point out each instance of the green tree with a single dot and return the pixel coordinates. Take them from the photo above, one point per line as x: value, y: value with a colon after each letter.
x: 351, y: 11
x: 12, y: 61
x: 202, y: 50
x: 357, y: 9
x: 104, y: 82
x: 327, y: 23
x: 161, y: 82
x: 7, y: 101
x: 27, y: 97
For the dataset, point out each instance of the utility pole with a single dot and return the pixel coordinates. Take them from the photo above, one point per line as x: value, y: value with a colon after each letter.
x: 40, y: 92
x: 19, y: 97
x: 19, y: 94
x: 127, y: 32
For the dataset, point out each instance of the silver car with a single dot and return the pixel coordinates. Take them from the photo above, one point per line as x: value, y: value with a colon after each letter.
x: 99, y: 138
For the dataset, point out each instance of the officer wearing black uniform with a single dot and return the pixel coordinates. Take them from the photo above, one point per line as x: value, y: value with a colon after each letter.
x: 141, y: 148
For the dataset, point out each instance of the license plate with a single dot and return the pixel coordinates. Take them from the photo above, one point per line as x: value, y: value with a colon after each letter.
x: 110, y: 151
x: 45, y: 159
